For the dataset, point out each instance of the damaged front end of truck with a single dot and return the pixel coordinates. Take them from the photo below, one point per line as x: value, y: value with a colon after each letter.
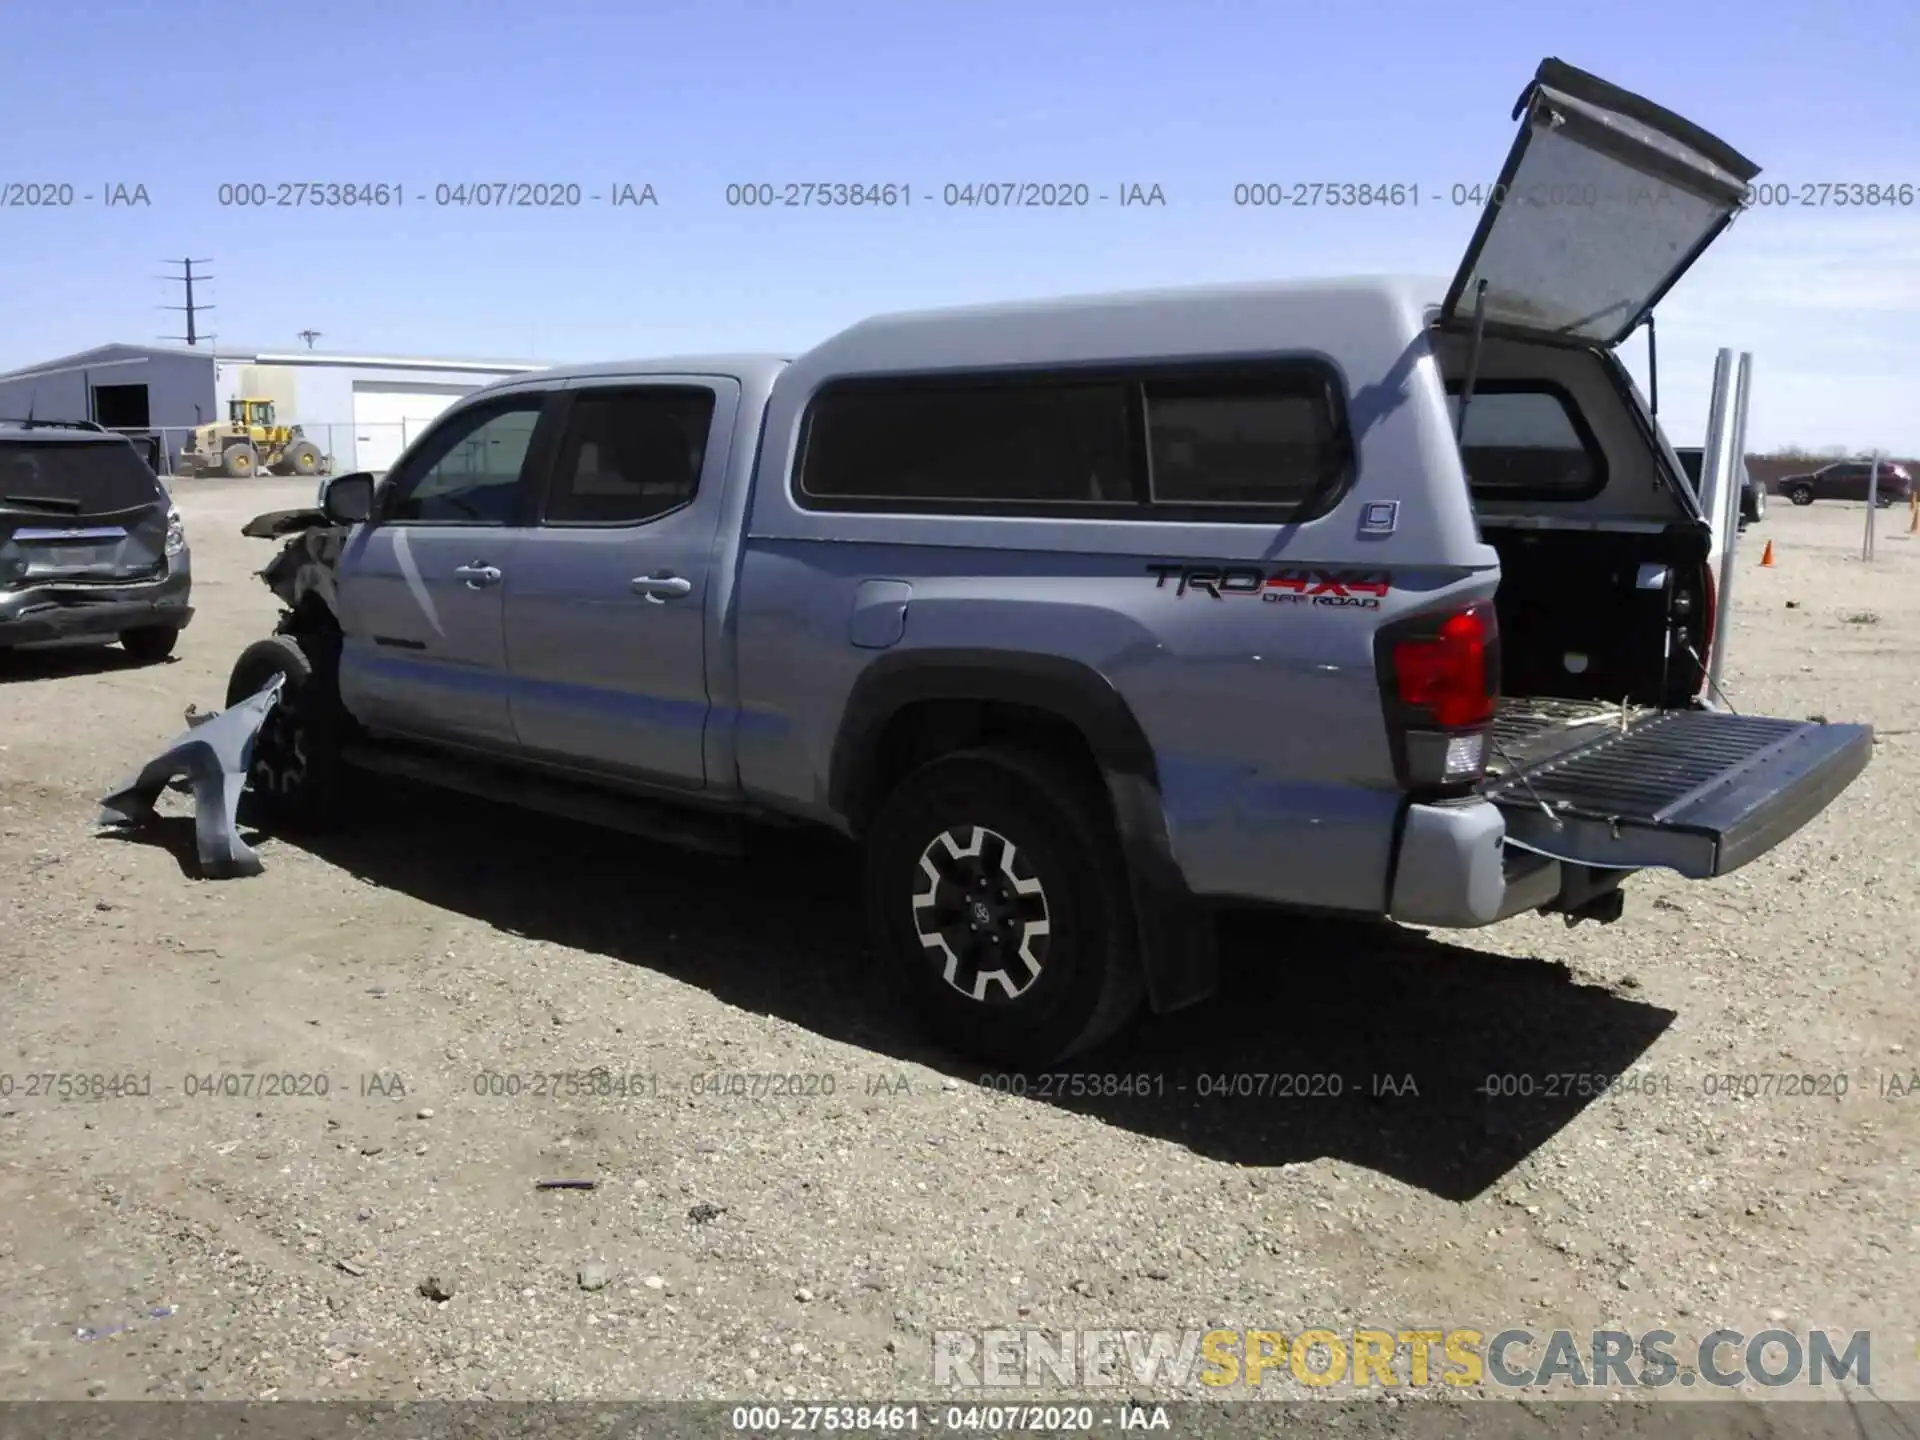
x: 302, y: 573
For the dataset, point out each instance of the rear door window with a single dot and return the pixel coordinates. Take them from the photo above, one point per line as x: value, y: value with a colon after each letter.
x: 629, y: 456
x: 1528, y: 443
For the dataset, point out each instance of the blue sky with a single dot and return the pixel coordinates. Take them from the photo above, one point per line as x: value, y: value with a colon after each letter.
x: 184, y: 96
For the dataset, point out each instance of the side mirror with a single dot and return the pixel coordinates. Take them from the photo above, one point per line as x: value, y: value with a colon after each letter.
x: 347, y: 499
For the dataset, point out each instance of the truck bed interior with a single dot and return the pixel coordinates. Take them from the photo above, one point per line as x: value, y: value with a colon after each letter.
x: 1602, y: 586
x: 1594, y: 614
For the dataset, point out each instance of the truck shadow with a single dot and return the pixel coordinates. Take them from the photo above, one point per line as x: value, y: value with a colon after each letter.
x: 1365, y: 1043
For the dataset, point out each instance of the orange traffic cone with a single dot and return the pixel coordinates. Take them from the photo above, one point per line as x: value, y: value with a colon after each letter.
x: 1766, y: 557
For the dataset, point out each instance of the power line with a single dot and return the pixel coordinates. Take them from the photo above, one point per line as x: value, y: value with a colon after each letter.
x: 310, y: 336
x: 192, y: 337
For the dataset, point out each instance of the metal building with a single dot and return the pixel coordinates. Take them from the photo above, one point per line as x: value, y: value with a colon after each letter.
x: 361, y: 410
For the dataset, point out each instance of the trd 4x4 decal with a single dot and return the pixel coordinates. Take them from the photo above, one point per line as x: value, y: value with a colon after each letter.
x: 1289, y: 585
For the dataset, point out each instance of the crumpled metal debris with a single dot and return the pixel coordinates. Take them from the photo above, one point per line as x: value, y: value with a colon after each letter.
x: 213, y: 755
x: 307, y: 561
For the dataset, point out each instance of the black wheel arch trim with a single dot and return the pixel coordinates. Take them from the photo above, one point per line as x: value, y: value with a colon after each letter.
x: 1069, y: 689
x: 1179, y: 954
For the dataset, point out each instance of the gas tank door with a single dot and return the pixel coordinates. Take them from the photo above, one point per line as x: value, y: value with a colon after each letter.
x: 879, y: 614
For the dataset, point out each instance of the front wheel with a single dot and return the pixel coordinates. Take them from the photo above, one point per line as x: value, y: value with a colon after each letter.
x: 302, y: 457
x: 295, y: 772
x: 1801, y: 494
x: 996, y: 889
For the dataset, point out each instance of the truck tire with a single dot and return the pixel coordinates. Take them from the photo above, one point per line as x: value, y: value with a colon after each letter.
x: 302, y: 457
x: 998, y: 893
x: 150, y: 644
x: 295, y: 776
x: 1801, y: 494
x: 240, y: 461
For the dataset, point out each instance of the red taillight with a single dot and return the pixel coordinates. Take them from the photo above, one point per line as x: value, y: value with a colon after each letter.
x: 1446, y: 673
x: 1440, y: 683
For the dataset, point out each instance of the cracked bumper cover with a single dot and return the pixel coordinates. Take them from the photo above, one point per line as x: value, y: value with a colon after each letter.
x: 40, y: 613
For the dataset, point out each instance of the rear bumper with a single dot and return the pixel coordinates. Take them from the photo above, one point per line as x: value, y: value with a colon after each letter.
x: 44, y: 613
x: 1456, y: 871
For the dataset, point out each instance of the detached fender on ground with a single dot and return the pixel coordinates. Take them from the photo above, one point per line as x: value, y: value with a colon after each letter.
x: 213, y: 756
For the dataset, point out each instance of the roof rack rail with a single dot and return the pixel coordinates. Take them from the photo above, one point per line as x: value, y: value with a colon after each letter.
x: 35, y: 422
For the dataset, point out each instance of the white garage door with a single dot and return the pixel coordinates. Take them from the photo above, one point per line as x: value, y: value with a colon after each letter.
x: 387, y: 418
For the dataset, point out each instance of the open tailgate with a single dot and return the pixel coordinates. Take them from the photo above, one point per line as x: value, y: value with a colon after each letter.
x: 1697, y: 791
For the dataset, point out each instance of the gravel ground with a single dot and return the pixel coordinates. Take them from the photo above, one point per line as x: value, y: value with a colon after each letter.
x: 386, y: 1239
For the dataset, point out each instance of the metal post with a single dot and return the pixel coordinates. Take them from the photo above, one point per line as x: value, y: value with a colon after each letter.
x: 1873, y: 506
x: 1730, y: 513
x: 1712, y: 494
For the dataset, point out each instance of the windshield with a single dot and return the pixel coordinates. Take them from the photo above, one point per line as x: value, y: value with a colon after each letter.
x: 75, y: 478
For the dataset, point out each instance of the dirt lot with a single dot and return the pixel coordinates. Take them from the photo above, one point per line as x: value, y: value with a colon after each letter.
x: 810, y: 1246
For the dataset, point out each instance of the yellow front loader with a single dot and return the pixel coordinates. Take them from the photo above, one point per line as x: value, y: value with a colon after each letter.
x: 250, y: 442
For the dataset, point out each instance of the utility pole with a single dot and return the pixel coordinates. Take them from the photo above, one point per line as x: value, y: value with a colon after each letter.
x: 310, y: 336
x: 192, y: 337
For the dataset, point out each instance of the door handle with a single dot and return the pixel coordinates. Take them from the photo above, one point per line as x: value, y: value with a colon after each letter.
x: 477, y: 576
x: 661, y: 588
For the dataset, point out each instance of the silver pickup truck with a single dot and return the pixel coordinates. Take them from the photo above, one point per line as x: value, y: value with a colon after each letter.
x: 1368, y: 597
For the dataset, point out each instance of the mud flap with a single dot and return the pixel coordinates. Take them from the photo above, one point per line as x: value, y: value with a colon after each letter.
x: 213, y: 755
x: 1179, y: 949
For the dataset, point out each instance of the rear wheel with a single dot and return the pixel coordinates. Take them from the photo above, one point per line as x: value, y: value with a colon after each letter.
x: 295, y: 772
x: 996, y: 890
x: 1800, y: 494
x: 151, y: 644
x: 241, y: 461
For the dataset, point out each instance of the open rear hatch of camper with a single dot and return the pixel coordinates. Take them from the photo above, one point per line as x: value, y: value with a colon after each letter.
x: 1697, y: 791
x: 1605, y: 201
